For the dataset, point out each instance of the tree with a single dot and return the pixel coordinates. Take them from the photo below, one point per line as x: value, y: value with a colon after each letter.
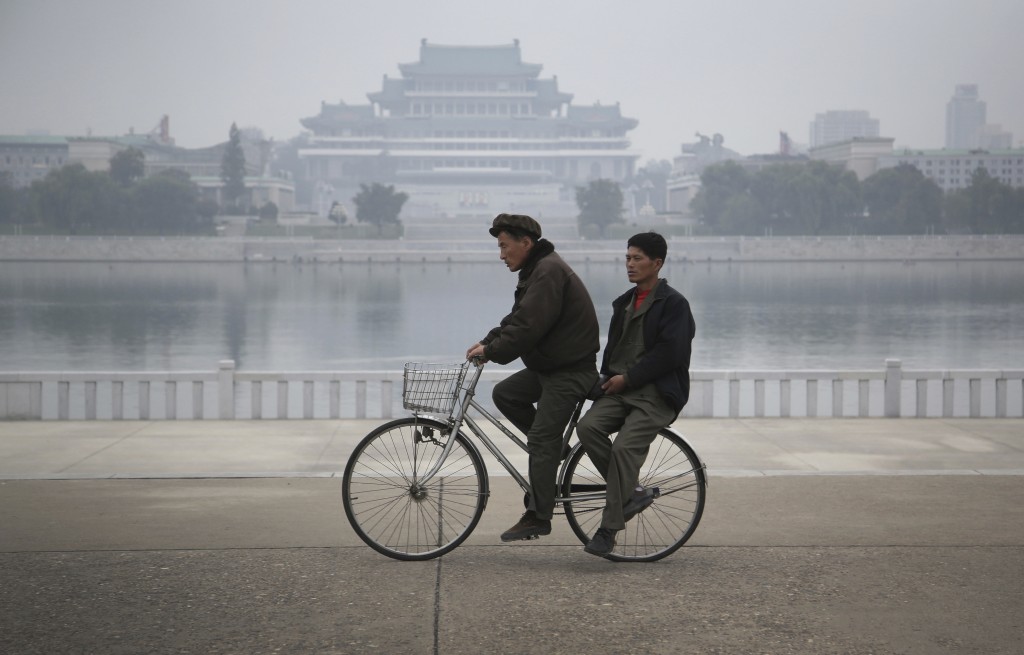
x: 810, y: 198
x: 74, y: 199
x: 901, y: 200
x: 741, y: 215
x: 600, y: 204
x: 127, y: 166
x: 168, y: 203
x: 987, y: 206
x: 769, y: 189
x: 718, y: 184
x: 821, y: 199
x: 337, y: 214
x: 378, y: 204
x: 268, y: 212
x: 9, y: 198
x: 232, y: 168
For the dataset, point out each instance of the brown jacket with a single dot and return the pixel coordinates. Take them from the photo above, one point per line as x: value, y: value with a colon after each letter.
x: 553, y: 324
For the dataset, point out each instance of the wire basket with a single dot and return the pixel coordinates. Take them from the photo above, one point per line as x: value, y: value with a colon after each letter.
x: 432, y: 387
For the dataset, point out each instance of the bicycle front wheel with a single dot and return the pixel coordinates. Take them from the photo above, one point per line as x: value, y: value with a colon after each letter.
x: 393, y: 510
x: 662, y: 528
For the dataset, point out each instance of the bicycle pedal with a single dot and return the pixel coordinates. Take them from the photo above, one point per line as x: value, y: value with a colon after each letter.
x: 532, y: 537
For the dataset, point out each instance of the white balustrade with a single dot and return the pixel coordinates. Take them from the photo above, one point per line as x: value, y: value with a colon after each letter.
x: 227, y: 393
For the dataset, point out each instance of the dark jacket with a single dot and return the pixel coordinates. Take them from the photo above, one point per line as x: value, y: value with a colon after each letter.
x: 552, y: 324
x: 668, y: 331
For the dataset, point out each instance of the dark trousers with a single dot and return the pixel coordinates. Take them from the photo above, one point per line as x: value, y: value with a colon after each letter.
x: 637, y: 416
x: 555, y: 395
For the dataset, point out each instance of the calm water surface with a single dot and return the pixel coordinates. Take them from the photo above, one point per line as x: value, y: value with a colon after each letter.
x: 58, y: 316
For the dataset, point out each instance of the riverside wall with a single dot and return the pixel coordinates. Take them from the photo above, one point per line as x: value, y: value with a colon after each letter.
x: 306, y: 250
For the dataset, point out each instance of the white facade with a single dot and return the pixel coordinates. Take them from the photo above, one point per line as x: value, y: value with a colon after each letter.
x: 467, y: 131
x: 30, y: 158
x: 859, y: 155
x: 952, y: 169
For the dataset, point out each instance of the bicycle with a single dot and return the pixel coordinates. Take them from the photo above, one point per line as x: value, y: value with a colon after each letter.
x: 416, y: 487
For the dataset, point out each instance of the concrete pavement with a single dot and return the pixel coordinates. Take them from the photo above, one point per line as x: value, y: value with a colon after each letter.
x: 320, y: 448
x: 819, y: 536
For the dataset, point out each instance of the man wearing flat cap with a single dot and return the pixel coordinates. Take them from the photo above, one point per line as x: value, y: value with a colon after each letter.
x: 553, y: 328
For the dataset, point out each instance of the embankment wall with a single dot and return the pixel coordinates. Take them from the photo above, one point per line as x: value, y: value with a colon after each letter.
x: 228, y: 249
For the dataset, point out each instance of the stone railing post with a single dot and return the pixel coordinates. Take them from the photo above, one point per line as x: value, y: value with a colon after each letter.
x: 226, y: 389
x: 893, y: 383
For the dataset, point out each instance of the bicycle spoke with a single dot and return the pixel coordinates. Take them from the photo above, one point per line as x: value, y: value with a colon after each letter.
x: 663, y: 526
x: 391, y: 507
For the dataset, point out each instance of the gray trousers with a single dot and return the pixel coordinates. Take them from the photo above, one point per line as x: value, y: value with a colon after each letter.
x: 637, y: 415
x: 555, y: 395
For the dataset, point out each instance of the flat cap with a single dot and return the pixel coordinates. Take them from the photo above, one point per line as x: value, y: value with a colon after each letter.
x: 515, y: 223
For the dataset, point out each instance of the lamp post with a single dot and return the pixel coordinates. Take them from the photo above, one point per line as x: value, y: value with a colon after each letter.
x: 325, y: 193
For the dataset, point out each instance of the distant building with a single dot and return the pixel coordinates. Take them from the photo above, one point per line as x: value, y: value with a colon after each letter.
x: 952, y: 169
x: 757, y: 163
x: 965, y: 118
x: 469, y: 131
x: 31, y: 158
x: 684, y: 180
x: 859, y: 155
x: 994, y: 137
x: 835, y: 126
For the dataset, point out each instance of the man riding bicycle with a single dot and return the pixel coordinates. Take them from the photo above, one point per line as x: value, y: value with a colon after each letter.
x: 553, y: 328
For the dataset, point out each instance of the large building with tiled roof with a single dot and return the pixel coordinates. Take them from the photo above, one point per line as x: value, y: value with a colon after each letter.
x: 469, y: 131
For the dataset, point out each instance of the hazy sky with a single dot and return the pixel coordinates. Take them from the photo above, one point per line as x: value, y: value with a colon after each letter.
x: 745, y: 69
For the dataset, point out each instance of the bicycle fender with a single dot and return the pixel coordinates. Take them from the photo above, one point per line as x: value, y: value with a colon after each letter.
x: 703, y: 464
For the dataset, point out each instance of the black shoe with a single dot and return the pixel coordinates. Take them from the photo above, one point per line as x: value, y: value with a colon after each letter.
x: 529, y: 527
x: 641, y: 500
x: 602, y: 544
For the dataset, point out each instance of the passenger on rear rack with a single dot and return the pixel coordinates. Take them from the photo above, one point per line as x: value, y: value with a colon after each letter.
x: 646, y: 373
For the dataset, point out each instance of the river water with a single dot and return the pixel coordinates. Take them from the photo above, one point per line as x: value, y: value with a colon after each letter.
x: 104, y: 317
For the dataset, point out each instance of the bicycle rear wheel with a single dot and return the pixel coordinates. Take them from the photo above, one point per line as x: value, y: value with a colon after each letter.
x: 662, y: 528
x: 392, y: 510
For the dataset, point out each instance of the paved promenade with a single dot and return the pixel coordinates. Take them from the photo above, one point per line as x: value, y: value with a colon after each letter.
x: 819, y: 536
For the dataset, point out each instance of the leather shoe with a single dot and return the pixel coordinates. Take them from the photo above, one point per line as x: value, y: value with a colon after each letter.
x: 528, y: 527
x: 602, y: 543
x: 639, y: 501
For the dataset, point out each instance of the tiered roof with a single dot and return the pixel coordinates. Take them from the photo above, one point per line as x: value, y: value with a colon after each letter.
x: 331, y: 115
x: 470, y: 60
x: 455, y: 61
x: 599, y: 115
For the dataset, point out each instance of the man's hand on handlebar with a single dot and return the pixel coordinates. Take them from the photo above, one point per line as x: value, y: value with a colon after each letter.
x: 476, y: 353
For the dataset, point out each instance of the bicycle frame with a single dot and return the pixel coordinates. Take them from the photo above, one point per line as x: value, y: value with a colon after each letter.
x: 460, y: 417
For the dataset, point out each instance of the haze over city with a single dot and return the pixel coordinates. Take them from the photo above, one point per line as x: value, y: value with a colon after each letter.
x: 743, y: 69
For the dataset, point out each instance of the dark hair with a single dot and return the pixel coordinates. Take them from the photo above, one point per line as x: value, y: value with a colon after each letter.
x: 651, y: 243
